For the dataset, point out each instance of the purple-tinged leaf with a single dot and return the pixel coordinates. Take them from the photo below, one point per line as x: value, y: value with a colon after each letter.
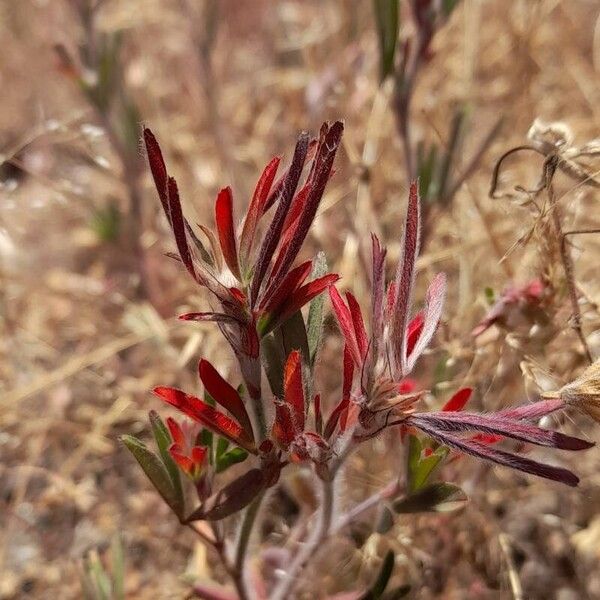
x: 272, y: 237
x: 318, y: 177
x: 433, y: 311
x: 500, y: 457
x: 158, y: 169
x: 404, y: 281
x: 524, y: 432
x: 536, y: 410
x: 232, y: 498
x: 378, y: 292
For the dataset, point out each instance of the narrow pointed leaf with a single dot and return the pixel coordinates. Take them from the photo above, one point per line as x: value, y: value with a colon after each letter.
x: 158, y: 169
x: 314, y: 325
x: 155, y: 471
x: 274, y: 232
x: 226, y: 230
x: 507, y: 459
x: 163, y: 441
x: 388, y: 22
x: 433, y: 311
x: 256, y: 208
x: 458, y: 400
x: 405, y: 277
x: 211, y: 418
x: 225, y: 395
x: 359, y: 325
x: 494, y: 424
x: 232, y: 498
x: 293, y: 389
x: 344, y: 319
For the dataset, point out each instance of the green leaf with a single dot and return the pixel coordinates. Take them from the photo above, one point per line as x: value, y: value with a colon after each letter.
x: 156, y: 472
x: 233, y: 457
x: 447, y: 163
x: 163, y: 441
x: 436, y: 497
x: 421, y: 467
x: 314, y: 328
x: 387, y: 22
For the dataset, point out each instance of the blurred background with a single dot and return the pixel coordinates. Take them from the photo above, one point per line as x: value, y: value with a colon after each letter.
x: 88, y: 298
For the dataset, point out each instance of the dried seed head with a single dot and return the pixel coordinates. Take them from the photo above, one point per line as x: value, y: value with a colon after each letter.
x: 548, y: 136
x: 583, y: 393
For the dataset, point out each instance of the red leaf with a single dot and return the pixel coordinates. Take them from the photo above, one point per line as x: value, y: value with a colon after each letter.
x: 212, y: 419
x: 458, y: 400
x: 342, y: 407
x: 293, y: 389
x: 283, y: 430
x: 176, y: 432
x: 226, y: 230
x: 185, y: 463
x: 414, y: 330
x: 273, y: 299
x: 359, y: 325
x: 225, y: 394
x: 344, y: 319
x: 404, y: 281
x: 305, y: 294
x: 256, y: 208
x: 433, y: 312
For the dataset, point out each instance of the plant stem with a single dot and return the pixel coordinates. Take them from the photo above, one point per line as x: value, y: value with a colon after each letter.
x: 567, y: 262
x: 283, y: 590
x: 389, y: 491
x: 247, y: 526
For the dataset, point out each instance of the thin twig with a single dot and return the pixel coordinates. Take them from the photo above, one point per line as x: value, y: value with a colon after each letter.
x: 283, y: 590
x: 566, y: 258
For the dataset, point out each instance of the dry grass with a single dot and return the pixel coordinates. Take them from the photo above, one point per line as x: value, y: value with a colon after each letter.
x: 79, y: 348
